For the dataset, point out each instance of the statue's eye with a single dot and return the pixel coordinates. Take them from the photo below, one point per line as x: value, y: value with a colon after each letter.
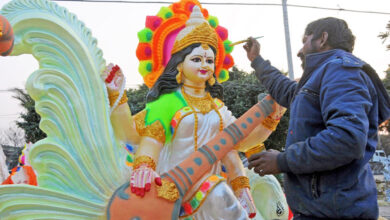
x: 210, y: 61
x: 196, y: 59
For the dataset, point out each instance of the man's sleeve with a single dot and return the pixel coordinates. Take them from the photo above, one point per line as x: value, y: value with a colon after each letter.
x: 345, y: 103
x: 279, y: 86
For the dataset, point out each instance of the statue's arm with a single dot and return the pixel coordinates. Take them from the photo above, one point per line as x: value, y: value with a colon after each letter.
x: 263, y: 130
x: 124, y: 126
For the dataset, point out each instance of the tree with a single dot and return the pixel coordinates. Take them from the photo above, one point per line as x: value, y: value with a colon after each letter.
x: 386, y: 81
x: 137, y: 98
x: 30, y: 119
x: 241, y: 92
x: 13, y: 136
x: 384, y: 35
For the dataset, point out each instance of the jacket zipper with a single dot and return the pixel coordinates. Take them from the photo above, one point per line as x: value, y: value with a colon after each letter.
x: 310, y: 92
x: 314, y: 186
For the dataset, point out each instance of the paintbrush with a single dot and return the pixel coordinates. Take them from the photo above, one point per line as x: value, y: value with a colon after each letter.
x: 243, y: 41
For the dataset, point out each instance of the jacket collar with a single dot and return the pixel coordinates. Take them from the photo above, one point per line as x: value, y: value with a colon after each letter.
x: 314, y: 60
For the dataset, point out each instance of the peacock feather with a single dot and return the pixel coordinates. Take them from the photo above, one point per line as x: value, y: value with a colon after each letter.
x: 79, y: 164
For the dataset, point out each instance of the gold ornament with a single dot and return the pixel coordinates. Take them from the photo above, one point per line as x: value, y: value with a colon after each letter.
x: 205, y: 46
x: 270, y: 123
x: 211, y: 81
x: 254, y: 150
x: 197, y: 30
x: 113, y: 96
x: 179, y: 77
x: 168, y: 191
x: 194, y: 87
x: 144, y: 160
x: 239, y: 183
x: 155, y: 130
x: 205, y: 105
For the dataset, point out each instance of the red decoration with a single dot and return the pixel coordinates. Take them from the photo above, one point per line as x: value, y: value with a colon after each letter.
x: 222, y: 32
x: 205, y: 186
x: 190, y: 6
x: 153, y: 22
x: 110, y: 76
x: 205, y: 13
x: 228, y: 61
x: 144, y: 51
x: 187, y: 208
x: 6, y: 37
x: 173, y: 123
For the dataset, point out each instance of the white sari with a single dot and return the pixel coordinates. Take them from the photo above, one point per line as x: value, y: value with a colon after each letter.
x: 220, y: 202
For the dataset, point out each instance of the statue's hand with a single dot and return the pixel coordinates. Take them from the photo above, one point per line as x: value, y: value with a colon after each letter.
x: 246, y: 200
x: 141, y: 180
x: 113, y: 77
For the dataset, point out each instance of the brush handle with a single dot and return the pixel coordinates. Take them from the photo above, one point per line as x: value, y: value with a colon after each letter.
x: 242, y: 41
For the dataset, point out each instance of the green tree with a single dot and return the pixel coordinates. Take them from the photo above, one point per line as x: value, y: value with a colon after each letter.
x: 241, y: 92
x: 30, y: 119
x: 137, y: 98
x: 385, y: 35
x: 386, y: 81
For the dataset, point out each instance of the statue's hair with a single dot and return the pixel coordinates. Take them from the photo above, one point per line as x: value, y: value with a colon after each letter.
x: 167, y: 83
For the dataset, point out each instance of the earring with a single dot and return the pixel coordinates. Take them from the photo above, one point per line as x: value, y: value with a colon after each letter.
x: 211, y: 81
x: 178, y: 77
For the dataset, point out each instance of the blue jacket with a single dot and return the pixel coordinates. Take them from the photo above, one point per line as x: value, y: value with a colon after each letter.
x: 335, y: 110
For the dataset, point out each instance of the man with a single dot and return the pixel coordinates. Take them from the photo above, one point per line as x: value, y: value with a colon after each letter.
x: 335, y: 110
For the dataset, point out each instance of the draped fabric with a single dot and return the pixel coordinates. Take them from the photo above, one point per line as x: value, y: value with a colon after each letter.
x: 182, y: 145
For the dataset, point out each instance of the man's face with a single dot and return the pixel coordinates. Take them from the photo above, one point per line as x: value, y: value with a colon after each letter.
x: 308, y: 48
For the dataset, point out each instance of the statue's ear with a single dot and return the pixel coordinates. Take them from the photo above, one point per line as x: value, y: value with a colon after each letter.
x: 180, y: 67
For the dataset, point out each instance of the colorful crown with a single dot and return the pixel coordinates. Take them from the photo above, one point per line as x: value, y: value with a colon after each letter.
x: 172, y: 30
x: 197, y: 30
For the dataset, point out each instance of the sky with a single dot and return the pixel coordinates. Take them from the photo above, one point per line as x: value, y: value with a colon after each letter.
x: 115, y: 26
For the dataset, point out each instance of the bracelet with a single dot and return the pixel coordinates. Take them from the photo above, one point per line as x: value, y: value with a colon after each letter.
x: 144, y: 160
x: 113, y: 96
x: 123, y: 99
x: 254, y: 150
x: 270, y: 123
x: 110, y: 76
x: 239, y: 183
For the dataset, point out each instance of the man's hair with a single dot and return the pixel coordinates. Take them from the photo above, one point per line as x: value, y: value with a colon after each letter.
x: 339, y: 35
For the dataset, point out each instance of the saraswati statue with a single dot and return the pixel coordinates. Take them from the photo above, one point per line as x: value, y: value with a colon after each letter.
x: 185, y: 142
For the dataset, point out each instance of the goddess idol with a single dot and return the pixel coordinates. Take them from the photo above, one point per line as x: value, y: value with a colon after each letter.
x: 80, y: 166
x: 183, y: 112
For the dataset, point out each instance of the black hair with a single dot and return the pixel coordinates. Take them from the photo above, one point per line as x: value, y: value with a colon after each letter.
x: 167, y: 83
x: 339, y: 34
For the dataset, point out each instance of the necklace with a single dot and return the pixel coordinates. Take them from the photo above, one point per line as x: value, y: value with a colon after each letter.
x: 194, y: 87
x: 204, y: 104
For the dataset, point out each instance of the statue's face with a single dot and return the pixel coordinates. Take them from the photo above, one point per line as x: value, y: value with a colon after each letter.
x: 198, y: 66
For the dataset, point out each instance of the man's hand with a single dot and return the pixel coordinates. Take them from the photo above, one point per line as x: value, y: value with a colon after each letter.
x: 265, y: 162
x: 252, y: 48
